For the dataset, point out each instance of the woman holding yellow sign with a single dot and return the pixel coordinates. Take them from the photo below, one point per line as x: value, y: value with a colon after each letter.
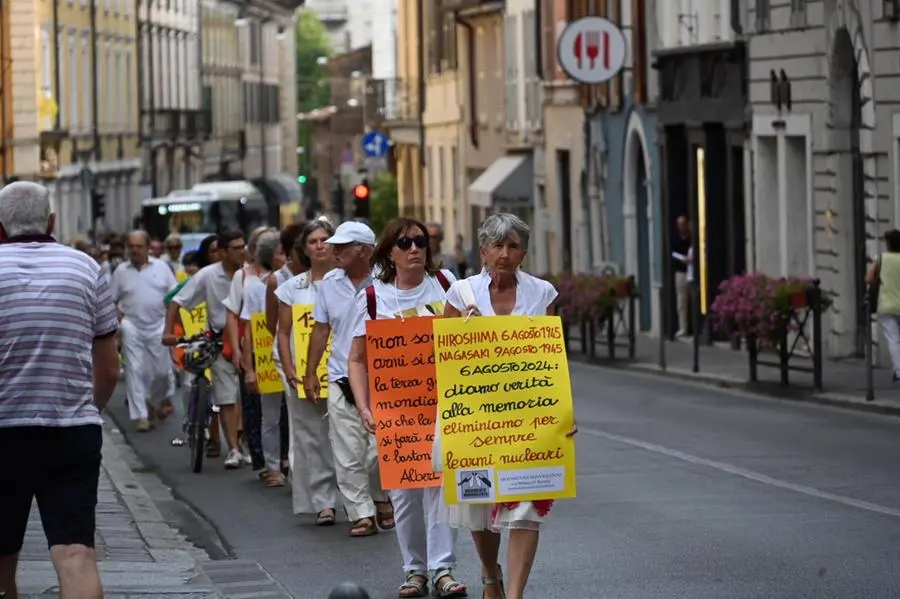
x: 407, y: 285
x: 502, y: 289
x: 269, y: 258
x: 313, y: 479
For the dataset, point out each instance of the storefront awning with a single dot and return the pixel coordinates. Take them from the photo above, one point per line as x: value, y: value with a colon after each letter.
x: 509, y: 181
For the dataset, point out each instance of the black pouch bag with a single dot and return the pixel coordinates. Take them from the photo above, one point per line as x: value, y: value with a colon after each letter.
x: 344, y: 384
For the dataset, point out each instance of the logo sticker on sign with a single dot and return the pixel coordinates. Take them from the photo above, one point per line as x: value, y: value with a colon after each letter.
x: 591, y: 50
x: 475, y: 485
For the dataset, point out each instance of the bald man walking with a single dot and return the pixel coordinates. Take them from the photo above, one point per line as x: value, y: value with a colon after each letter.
x: 139, y: 288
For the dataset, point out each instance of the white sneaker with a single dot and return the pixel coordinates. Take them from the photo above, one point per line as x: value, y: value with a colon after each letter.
x: 233, y: 460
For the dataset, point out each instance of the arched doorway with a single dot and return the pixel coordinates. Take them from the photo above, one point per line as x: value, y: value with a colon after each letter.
x: 849, y: 189
x: 639, y: 218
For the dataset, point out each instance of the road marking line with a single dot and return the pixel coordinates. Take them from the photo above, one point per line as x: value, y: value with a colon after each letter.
x: 744, y: 473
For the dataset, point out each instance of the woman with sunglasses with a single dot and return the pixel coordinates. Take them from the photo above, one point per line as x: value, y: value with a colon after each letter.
x: 407, y: 285
x: 502, y: 288
x: 313, y: 479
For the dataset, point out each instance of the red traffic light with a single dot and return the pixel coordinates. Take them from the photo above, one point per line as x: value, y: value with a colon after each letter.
x: 361, y: 192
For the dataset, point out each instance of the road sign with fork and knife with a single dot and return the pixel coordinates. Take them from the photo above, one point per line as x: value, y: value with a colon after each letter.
x: 591, y: 50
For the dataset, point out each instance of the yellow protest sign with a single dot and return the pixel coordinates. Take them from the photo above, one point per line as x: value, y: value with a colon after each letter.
x: 302, y: 330
x: 194, y: 320
x: 267, y: 378
x: 505, y: 406
x: 194, y: 323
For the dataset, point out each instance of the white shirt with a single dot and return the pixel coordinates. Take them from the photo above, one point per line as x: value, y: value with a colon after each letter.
x: 254, y: 298
x: 293, y: 292
x: 140, y: 294
x: 336, y: 307
x: 239, y: 282
x: 211, y: 285
x: 425, y: 300
x: 533, y: 295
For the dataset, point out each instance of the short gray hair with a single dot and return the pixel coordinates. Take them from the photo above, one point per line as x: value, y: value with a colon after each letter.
x: 143, y: 234
x: 24, y: 208
x: 498, y: 227
x: 437, y: 226
x: 266, y: 245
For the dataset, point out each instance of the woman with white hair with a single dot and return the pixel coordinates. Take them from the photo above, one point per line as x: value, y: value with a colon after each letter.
x: 268, y: 258
x: 502, y: 289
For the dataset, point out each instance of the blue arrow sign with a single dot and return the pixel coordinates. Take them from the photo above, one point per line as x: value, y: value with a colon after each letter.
x: 375, y: 144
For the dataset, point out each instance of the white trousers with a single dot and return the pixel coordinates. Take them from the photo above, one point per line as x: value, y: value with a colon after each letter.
x: 313, y: 479
x: 270, y: 406
x: 426, y: 543
x: 147, y: 368
x: 355, y: 457
x: 890, y: 327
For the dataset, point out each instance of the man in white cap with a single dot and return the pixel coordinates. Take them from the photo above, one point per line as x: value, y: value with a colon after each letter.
x: 355, y: 454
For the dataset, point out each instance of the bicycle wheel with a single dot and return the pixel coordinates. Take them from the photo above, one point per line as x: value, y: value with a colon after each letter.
x: 198, y: 424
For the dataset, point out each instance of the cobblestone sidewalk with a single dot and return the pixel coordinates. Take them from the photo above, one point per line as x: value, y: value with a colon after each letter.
x: 139, y: 555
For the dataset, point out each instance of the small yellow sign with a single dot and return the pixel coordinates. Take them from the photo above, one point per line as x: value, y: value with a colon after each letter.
x: 267, y: 378
x: 302, y: 330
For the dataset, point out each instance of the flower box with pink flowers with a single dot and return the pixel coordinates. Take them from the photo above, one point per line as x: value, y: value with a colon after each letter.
x: 757, y: 306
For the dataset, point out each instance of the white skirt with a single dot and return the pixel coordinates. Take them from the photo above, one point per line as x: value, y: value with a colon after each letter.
x: 481, y: 517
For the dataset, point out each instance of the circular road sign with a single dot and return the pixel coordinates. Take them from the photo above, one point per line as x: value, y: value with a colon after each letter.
x: 591, y: 50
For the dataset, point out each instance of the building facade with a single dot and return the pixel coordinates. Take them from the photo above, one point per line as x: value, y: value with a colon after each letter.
x: 702, y: 115
x: 825, y: 138
x: 481, y: 52
x: 403, y: 121
x: 447, y: 69
x: 622, y: 211
x: 72, y: 72
x: 173, y: 122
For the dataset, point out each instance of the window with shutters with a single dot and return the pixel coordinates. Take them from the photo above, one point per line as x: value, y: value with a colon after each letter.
x: 532, y: 77
x: 512, y: 75
x: 761, y: 15
x: 798, y: 13
x: 46, y: 76
x: 73, y: 115
x: 86, y: 82
x: 639, y: 50
x: 65, y: 70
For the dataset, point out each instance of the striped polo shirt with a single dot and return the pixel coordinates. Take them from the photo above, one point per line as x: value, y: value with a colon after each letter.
x: 54, y: 301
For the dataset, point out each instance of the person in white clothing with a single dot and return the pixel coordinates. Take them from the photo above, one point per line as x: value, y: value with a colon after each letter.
x: 268, y: 259
x: 502, y: 288
x: 139, y: 288
x: 408, y: 285
x: 355, y: 455
x: 313, y: 478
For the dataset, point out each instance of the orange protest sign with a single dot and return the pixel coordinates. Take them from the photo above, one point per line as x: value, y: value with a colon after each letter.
x: 403, y: 395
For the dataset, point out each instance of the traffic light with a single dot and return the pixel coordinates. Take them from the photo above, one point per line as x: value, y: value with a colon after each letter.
x: 361, y: 199
x: 301, y: 179
x: 98, y: 204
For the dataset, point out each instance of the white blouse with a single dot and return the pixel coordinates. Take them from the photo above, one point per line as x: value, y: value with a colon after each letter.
x: 533, y: 295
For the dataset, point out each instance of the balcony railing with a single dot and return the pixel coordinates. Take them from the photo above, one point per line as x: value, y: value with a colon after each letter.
x: 398, y: 100
x: 177, y: 124
x: 456, y: 5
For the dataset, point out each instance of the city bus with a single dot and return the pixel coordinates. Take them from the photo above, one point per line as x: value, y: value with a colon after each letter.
x: 206, y: 209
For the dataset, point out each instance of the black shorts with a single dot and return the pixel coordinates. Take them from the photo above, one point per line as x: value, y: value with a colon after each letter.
x: 58, y: 466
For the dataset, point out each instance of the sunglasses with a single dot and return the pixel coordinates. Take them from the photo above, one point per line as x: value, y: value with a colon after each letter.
x: 404, y: 243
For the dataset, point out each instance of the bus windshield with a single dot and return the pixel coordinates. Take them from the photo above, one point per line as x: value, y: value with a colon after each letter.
x: 200, y: 216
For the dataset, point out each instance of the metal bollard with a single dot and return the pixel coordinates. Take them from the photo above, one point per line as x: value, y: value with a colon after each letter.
x: 348, y: 590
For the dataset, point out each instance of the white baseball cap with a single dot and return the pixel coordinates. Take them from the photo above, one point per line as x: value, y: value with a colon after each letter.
x: 352, y: 232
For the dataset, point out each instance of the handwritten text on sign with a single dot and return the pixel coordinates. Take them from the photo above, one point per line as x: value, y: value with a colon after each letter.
x: 302, y: 330
x: 267, y: 378
x: 505, y: 404
x: 403, y: 397
x: 193, y: 321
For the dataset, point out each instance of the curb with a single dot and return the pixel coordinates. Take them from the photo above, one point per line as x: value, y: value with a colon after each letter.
x: 800, y: 395
x: 163, y: 543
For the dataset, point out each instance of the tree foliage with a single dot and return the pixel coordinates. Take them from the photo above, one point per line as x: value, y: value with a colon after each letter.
x: 312, y: 42
x: 384, y: 202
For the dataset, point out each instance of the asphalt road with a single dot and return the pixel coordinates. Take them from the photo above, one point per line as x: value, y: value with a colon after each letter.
x: 685, y: 491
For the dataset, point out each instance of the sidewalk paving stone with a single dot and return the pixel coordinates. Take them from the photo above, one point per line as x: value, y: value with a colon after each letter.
x: 844, y: 381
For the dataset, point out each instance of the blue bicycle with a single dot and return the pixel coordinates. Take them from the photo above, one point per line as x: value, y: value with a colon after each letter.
x: 200, y: 351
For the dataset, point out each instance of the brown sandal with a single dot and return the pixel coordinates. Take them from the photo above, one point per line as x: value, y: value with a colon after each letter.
x: 364, y: 527
x: 385, y: 517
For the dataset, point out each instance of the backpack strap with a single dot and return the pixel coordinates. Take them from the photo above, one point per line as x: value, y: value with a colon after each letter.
x: 370, y: 302
x: 442, y: 279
